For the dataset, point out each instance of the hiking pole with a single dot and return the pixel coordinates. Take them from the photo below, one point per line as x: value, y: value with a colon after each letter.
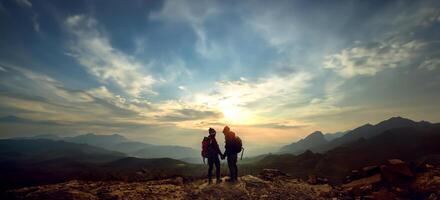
x: 242, y: 151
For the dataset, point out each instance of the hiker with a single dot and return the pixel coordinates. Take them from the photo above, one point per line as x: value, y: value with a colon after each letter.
x: 211, y: 151
x: 233, y: 146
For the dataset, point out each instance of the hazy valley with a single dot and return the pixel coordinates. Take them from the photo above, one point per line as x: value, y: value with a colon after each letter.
x: 47, y: 160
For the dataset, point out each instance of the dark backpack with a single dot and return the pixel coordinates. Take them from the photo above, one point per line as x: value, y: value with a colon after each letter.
x: 205, y: 147
x: 236, y: 145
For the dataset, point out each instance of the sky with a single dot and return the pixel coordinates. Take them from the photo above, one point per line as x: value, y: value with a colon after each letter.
x: 163, y: 72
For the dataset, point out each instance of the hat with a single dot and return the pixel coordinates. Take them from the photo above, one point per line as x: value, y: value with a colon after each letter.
x: 211, y: 131
x: 226, y: 129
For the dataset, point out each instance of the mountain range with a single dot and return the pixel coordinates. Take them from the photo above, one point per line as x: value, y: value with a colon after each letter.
x: 119, y: 143
x: 415, y: 145
x: 42, y: 161
x: 48, y: 159
x: 313, y: 140
x: 318, y: 142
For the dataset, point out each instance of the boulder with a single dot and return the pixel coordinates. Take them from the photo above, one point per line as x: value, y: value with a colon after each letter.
x: 427, y: 182
x: 360, y: 191
x: 395, y: 171
x: 252, y: 181
x: 372, y: 180
x: 270, y: 174
x: 370, y: 170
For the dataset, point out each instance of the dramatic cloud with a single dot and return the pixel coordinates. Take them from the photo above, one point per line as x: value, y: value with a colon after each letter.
x: 93, y: 50
x: 372, y: 58
x: 164, y: 71
x: 39, y: 97
x: 194, y: 15
x: 188, y: 115
x: 242, y: 101
x: 430, y: 64
x: 281, y: 126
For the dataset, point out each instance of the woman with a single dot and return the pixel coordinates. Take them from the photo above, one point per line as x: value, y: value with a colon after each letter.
x: 213, y: 156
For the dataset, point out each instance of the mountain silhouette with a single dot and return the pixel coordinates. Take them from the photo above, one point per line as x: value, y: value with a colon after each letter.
x: 313, y: 140
x: 413, y: 144
x: 43, y: 150
x: 30, y: 162
x: 104, y: 141
x: 331, y: 136
x: 119, y: 143
x: 368, y: 130
x: 27, y: 162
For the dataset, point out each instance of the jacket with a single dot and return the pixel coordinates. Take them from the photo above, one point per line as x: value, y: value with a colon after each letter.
x: 213, y: 148
x: 229, y: 145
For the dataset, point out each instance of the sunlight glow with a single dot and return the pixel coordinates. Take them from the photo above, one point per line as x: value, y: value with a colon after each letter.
x: 236, y: 115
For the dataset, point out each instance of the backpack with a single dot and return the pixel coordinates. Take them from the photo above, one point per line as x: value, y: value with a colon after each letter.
x: 205, y: 146
x: 237, y: 145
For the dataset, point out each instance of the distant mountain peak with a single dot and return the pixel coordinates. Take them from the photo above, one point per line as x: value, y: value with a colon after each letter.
x: 316, y: 133
x: 115, y: 135
x: 312, y: 140
x: 398, y: 119
x: 366, y: 125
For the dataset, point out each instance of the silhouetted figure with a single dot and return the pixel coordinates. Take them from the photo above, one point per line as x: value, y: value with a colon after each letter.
x: 212, y: 151
x: 233, y: 146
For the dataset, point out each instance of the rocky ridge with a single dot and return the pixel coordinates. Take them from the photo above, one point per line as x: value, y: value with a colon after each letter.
x: 393, y: 180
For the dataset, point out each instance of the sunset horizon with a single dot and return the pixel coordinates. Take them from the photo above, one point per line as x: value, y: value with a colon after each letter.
x: 163, y: 72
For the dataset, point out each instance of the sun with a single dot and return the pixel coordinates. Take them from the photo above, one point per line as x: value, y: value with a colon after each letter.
x: 231, y: 114
x: 235, y: 115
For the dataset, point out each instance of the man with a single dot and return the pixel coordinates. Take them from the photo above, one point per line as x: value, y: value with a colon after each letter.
x: 232, y: 147
x: 212, y: 155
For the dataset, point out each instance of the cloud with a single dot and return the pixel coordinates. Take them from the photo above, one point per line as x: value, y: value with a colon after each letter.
x: 194, y: 15
x: 372, y: 58
x: 93, y: 50
x: 189, y: 115
x: 35, y: 23
x: 18, y: 120
x: 179, y: 111
x: 243, y: 102
x: 39, y: 97
x: 280, y: 126
x: 243, y: 93
x: 430, y: 64
x: 28, y: 4
x: 277, y: 30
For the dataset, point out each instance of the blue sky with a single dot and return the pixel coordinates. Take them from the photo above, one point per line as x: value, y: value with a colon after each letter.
x: 164, y: 71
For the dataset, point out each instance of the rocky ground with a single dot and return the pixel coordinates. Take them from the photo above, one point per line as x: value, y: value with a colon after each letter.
x: 249, y: 187
x: 393, y: 180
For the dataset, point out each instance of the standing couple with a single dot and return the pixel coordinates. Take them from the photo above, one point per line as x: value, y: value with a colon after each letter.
x: 211, y: 150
